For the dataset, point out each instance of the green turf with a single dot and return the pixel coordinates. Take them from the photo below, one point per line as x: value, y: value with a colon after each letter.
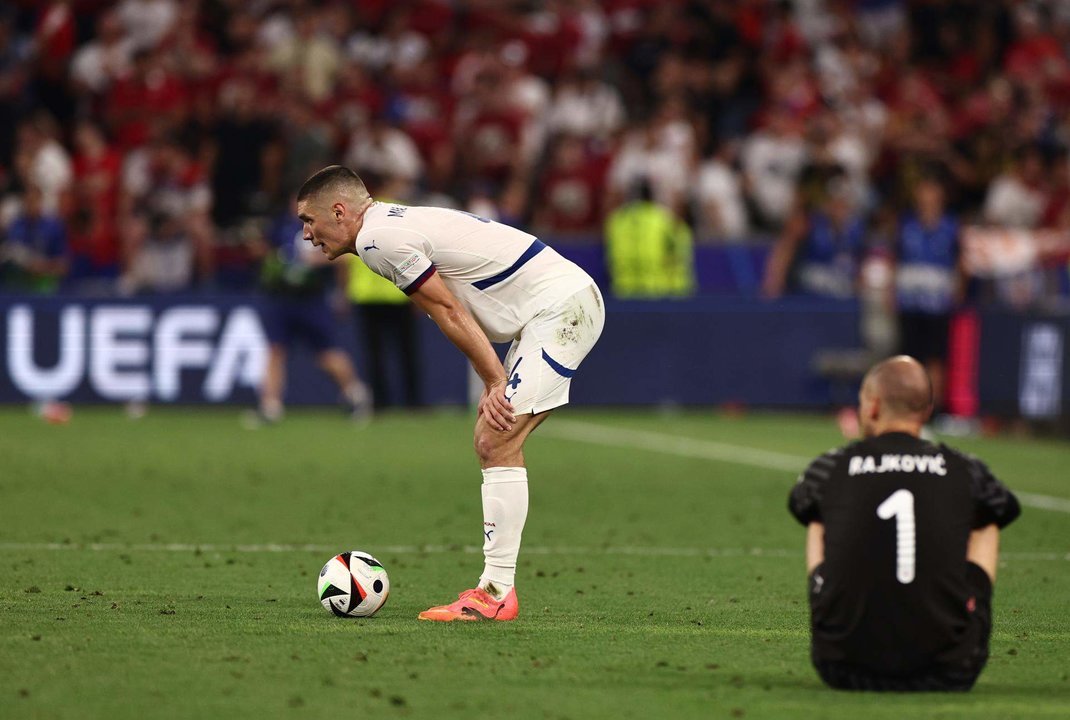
x: 653, y: 585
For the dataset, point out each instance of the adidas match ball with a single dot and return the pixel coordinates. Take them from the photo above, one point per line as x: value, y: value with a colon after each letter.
x: 353, y: 584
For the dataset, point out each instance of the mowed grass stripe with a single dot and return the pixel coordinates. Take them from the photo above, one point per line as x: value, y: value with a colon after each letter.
x: 626, y: 438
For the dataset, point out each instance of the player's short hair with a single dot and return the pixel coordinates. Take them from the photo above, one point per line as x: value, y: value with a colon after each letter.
x: 336, y: 178
x: 903, y: 385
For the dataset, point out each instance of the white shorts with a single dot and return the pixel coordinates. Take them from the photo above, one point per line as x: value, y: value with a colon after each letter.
x: 541, y: 362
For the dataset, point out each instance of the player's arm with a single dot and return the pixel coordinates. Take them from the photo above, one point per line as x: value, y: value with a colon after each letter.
x: 435, y: 299
x: 783, y: 254
x: 815, y: 546
x: 983, y: 549
x: 995, y: 507
x: 804, y: 503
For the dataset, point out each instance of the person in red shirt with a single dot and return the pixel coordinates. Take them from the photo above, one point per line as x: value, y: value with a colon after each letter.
x: 491, y: 133
x: 97, y: 167
x: 95, y: 247
x: 150, y: 95
x: 1034, y: 53
x: 424, y: 107
x: 570, y: 194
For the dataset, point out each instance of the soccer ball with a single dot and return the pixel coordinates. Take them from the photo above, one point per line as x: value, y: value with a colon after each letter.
x: 353, y: 584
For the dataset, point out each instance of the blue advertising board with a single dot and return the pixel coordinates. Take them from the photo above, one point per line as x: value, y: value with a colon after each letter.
x: 1022, y: 364
x: 211, y: 349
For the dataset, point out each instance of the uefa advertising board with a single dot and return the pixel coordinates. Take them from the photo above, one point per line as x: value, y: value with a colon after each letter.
x: 130, y: 350
x: 697, y: 352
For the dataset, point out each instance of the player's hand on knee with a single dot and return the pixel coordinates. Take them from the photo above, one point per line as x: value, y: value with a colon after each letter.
x: 495, y: 408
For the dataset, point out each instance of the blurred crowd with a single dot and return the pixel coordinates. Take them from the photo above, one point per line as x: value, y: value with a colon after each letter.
x: 146, y: 145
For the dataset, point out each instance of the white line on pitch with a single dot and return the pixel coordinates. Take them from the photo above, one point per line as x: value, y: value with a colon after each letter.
x: 1043, y: 502
x: 443, y: 549
x: 620, y: 437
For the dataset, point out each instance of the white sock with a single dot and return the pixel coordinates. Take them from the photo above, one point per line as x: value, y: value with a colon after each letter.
x: 505, y: 508
x: 357, y: 393
x: 271, y: 409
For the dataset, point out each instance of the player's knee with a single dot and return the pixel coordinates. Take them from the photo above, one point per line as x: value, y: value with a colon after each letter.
x: 486, y: 445
x: 492, y: 445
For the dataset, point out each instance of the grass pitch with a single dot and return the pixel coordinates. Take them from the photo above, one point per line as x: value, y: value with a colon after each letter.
x: 167, y: 568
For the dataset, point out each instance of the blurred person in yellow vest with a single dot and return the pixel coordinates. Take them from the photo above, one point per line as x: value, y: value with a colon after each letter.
x: 649, y: 251
x: 386, y: 325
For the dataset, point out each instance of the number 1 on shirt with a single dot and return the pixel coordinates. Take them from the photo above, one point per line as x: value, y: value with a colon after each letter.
x: 900, y: 505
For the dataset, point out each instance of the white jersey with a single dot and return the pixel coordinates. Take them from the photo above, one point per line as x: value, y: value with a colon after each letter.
x: 504, y: 276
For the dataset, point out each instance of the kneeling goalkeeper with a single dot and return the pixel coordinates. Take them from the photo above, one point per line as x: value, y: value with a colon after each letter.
x: 902, y: 547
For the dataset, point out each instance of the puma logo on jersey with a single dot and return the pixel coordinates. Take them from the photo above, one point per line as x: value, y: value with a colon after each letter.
x: 866, y: 464
x: 373, y: 246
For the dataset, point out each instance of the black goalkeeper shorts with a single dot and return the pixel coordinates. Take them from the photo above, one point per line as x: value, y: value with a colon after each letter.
x: 923, y: 336
x: 937, y: 678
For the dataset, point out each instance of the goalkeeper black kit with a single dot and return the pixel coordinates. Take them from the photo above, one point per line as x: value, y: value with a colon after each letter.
x: 895, y: 605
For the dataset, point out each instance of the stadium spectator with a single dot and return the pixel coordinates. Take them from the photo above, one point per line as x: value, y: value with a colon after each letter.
x: 245, y: 171
x: 820, y: 251
x: 649, y: 250
x: 310, y: 56
x: 1017, y: 198
x: 585, y: 106
x: 902, y: 547
x: 33, y: 255
x: 96, y: 253
x: 569, y: 193
x: 1035, y: 52
x: 507, y: 206
x: 15, y: 93
x: 880, y: 21
x: 99, y: 63
x: 394, y: 45
x: 660, y: 152
x: 95, y: 246
x: 380, y: 150
x: 772, y: 160
x: 147, y: 22
x: 97, y: 167
x: 357, y: 99
x: 717, y: 198
x: 527, y: 92
x: 834, y: 144
x: 307, y: 140
x: 425, y: 110
x: 484, y: 92
x: 491, y: 131
x: 42, y: 161
x: 928, y: 279
x: 161, y: 255
x: 164, y: 185
x: 192, y: 52
x: 151, y: 99
x: 53, y: 42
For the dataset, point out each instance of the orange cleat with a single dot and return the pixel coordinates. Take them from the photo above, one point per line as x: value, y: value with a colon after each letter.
x: 475, y: 604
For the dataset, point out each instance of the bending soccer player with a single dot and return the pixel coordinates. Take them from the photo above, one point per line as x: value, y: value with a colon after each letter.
x: 902, y: 546
x: 481, y: 282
